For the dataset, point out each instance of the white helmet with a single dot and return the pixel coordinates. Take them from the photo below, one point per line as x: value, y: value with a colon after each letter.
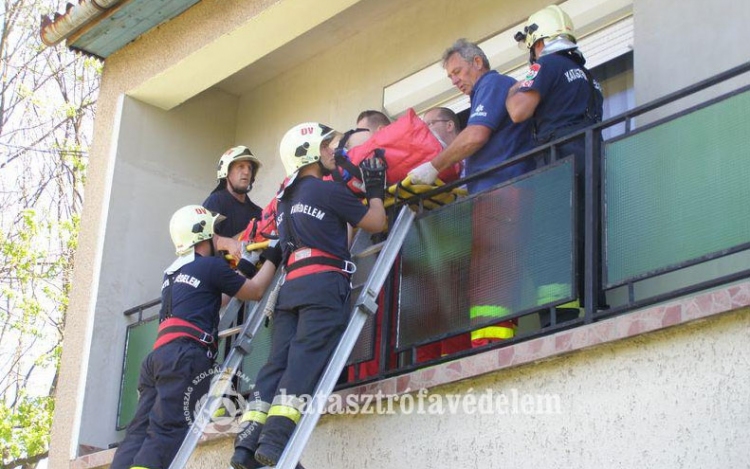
x: 301, y: 145
x: 234, y: 154
x: 190, y: 225
x: 548, y: 23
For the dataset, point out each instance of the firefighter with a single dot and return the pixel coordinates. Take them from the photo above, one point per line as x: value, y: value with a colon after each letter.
x: 191, y: 295
x: 559, y: 96
x: 311, y: 312
x: 235, y: 174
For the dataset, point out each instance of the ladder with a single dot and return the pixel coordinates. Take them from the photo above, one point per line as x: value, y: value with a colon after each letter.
x: 366, y: 305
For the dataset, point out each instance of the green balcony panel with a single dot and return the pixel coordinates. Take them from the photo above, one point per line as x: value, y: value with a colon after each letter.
x: 677, y: 191
x: 258, y: 356
x: 509, y: 249
x: 139, y: 341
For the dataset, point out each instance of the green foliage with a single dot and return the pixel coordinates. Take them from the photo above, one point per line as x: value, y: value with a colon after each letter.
x: 25, y: 427
x: 39, y: 253
x: 46, y: 120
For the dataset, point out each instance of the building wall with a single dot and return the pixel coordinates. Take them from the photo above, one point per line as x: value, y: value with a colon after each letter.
x: 335, y: 86
x: 680, y: 43
x: 124, y: 70
x: 668, y: 399
x: 116, y: 271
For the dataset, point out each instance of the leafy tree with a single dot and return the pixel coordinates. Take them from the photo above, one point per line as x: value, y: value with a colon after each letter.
x: 47, y: 100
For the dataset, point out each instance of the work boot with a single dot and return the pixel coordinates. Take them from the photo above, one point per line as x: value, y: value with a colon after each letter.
x: 245, y: 445
x: 273, y: 439
x: 243, y: 458
x: 499, y: 331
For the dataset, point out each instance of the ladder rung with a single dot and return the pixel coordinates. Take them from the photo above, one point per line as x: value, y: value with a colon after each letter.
x: 369, y: 251
x: 230, y: 332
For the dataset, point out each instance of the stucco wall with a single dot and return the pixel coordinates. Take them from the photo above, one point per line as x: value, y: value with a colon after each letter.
x: 124, y: 70
x: 164, y: 160
x: 669, y: 399
x: 680, y: 43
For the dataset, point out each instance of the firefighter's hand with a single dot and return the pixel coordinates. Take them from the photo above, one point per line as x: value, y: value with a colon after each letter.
x: 232, y: 246
x: 373, y: 175
x: 272, y: 253
x: 424, y: 174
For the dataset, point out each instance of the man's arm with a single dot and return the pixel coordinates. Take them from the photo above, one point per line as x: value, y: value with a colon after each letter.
x: 521, y: 104
x: 373, y: 175
x: 374, y: 220
x: 468, y: 142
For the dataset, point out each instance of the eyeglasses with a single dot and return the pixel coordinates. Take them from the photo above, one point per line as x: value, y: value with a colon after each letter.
x: 435, y: 121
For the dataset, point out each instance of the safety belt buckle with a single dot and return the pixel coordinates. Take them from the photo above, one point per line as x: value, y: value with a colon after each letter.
x: 207, y: 338
x: 349, y: 267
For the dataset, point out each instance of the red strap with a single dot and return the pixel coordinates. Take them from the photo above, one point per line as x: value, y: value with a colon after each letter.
x: 310, y: 254
x: 174, y: 328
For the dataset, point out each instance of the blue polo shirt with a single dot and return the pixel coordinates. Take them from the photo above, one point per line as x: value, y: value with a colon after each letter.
x: 238, y: 213
x: 507, y: 139
x: 197, y: 288
x: 565, y: 94
x: 319, y: 212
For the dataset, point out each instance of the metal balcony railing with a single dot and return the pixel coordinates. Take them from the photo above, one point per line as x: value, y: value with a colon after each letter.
x: 656, y: 212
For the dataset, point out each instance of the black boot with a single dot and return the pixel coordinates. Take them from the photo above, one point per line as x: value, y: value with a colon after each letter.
x: 244, y: 459
x: 244, y: 447
x: 273, y: 439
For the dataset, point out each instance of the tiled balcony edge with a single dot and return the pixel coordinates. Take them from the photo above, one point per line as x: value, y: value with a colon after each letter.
x: 681, y: 311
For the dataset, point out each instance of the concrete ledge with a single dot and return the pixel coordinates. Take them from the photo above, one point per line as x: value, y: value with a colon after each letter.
x: 681, y: 311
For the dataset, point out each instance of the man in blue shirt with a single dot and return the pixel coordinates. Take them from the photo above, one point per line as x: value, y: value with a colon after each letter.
x: 490, y: 138
x: 311, y: 312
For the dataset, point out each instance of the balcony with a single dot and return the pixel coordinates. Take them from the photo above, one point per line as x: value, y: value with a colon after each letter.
x: 657, y: 220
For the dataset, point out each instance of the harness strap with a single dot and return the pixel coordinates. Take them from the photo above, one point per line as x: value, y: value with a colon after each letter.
x: 345, y: 169
x: 306, y: 261
x: 174, y: 328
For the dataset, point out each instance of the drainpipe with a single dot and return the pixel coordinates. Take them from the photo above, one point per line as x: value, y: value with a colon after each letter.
x: 54, y: 31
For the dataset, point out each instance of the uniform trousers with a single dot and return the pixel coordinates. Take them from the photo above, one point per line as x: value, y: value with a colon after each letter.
x: 169, y: 388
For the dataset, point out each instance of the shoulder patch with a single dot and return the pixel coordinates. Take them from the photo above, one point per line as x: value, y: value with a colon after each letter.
x: 531, y: 75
